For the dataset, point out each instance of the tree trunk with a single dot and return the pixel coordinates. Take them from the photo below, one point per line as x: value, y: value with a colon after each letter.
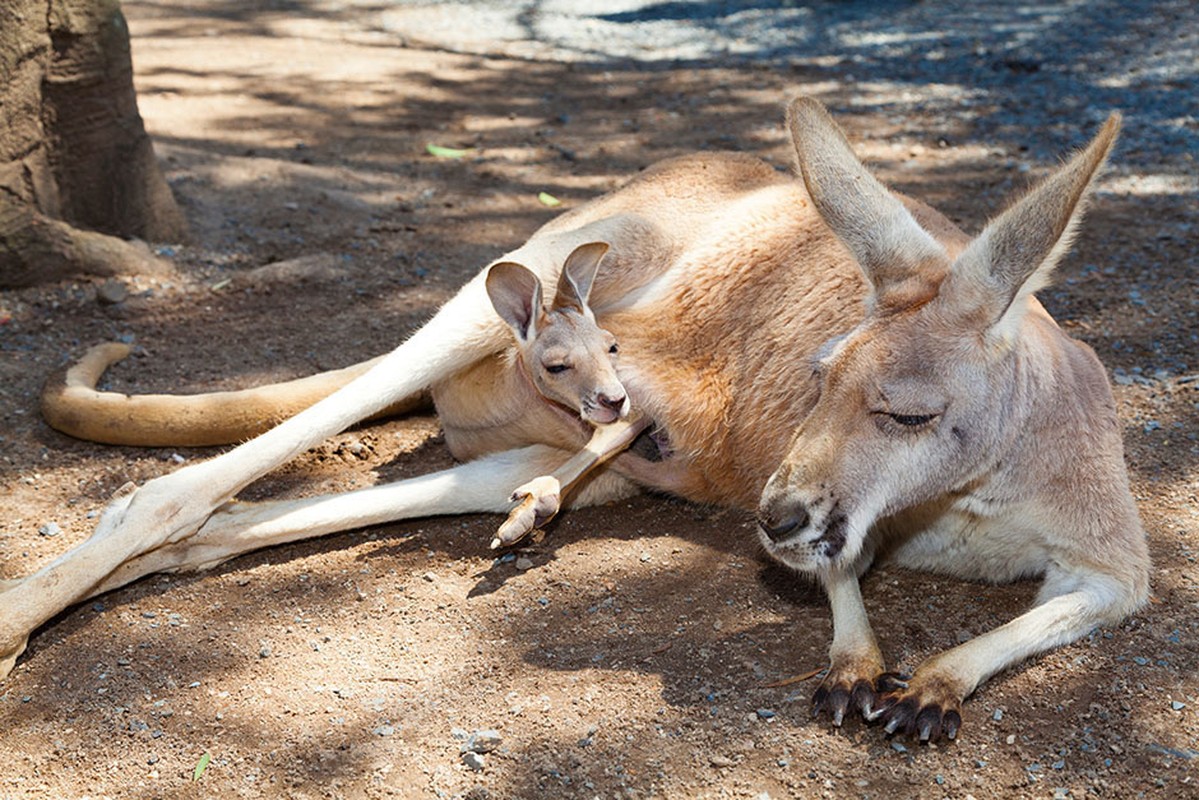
x: 73, y: 151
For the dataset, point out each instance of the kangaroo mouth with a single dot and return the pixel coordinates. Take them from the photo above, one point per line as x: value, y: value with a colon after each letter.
x: 602, y: 415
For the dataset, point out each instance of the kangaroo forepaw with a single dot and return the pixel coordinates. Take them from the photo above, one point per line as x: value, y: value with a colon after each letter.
x: 539, y: 502
x: 847, y: 688
x: 923, y: 708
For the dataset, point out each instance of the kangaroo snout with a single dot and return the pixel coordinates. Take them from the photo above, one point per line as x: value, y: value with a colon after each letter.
x: 781, y: 518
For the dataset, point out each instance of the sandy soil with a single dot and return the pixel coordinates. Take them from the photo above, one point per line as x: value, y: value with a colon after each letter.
x: 634, y: 652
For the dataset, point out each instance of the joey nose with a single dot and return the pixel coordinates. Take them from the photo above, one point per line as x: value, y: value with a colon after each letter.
x: 613, y: 402
x: 781, y: 520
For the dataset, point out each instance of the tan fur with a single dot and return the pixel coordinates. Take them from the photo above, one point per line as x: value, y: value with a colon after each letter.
x: 71, y: 404
x: 784, y: 336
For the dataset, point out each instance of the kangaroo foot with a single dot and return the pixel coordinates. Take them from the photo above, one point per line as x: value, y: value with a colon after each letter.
x: 539, y: 502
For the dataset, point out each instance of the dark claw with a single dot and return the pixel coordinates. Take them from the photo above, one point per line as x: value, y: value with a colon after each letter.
x: 900, y: 717
x: 862, y: 696
x: 890, y: 682
x: 819, y: 697
x: 838, y: 702
x: 928, y: 723
x: 951, y: 723
x: 839, y: 698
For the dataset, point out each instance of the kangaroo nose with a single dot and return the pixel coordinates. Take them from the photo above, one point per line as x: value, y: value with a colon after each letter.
x: 613, y: 402
x: 779, y: 523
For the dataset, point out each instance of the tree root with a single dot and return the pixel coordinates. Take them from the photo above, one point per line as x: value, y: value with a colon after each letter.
x: 37, y: 249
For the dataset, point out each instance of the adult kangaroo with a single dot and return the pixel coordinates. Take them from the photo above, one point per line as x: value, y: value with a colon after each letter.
x: 836, y: 357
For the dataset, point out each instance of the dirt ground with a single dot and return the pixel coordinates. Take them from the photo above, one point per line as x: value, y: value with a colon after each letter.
x: 633, y: 652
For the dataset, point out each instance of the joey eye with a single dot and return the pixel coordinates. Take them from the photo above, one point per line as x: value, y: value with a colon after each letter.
x: 913, y: 420
x: 554, y: 369
x: 613, y: 349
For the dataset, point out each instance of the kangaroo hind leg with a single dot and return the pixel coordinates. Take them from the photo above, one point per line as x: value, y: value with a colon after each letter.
x: 238, y: 528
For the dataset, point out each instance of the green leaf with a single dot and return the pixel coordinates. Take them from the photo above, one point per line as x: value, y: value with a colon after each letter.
x: 201, y: 766
x: 446, y: 152
x: 548, y: 199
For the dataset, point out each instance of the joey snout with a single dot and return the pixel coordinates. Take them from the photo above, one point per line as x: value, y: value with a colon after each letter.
x: 607, y: 406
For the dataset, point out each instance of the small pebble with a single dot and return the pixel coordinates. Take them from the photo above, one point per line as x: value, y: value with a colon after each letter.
x: 384, y: 730
x: 49, y: 529
x: 112, y: 292
x: 474, y: 761
x: 721, y: 762
x: 483, y: 741
x: 898, y: 747
x: 765, y: 713
x: 1177, y: 705
x: 524, y: 563
x: 997, y: 714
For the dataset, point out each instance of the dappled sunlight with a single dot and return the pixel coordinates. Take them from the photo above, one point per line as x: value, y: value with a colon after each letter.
x: 1144, y: 184
x: 638, y: 645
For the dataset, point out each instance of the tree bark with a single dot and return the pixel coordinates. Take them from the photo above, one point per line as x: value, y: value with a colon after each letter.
x: 74, y: 153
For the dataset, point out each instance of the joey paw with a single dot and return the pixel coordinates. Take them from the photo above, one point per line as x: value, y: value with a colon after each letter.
x: 539, y: 502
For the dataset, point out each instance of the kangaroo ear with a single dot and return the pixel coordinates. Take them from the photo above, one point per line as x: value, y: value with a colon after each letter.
x: 1015, y: 254
x: 578, y: 275
x: 888, y: 244
x: 515, y: 293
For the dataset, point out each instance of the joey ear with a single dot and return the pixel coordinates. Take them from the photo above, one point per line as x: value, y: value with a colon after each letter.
x: 515, y: 293
x: 578, y: 275
x: 888, y: 244
x: 1015, y: 254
